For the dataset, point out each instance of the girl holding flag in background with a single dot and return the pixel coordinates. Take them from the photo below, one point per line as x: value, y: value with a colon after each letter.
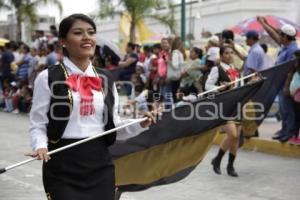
x: 218, y: 76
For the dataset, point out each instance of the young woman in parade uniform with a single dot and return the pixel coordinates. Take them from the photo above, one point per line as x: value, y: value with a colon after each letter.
x: 73, y: 101
x: 218, y: 76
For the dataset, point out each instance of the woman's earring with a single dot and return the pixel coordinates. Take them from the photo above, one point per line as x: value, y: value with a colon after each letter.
x: 64, y: 46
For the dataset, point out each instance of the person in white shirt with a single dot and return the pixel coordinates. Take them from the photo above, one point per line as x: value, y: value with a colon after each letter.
x: 220, y: 76
x: 213, y: 49
x: 268, y: 60
x: 69, y: 104
x: 175, y: 65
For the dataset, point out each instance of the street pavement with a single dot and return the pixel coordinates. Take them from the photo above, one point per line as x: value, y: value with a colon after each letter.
x: 262, y: 176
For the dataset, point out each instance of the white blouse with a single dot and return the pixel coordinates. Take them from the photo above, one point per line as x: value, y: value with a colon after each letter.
x: 78, y: 126
x: 213, y: 76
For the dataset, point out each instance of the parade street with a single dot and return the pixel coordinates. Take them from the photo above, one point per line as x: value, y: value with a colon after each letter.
x: 262, y: 176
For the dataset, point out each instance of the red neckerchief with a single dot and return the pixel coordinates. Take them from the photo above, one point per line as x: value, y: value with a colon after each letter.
x: 84, y: 85
x: 232, y: 73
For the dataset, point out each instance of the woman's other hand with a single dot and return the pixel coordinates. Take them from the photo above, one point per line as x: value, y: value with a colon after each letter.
x: 41, y: 154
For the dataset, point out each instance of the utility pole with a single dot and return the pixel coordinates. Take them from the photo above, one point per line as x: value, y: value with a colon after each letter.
x: 183, y: 20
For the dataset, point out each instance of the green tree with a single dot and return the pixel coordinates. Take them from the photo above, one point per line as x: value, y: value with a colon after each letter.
x: 168, y: 19
x: 138, y: 10
x: 26, y: 9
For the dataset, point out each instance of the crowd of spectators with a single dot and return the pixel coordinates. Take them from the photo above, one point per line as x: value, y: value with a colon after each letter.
x: 165, y: 73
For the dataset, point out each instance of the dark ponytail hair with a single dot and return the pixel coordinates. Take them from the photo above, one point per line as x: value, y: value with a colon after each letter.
x: 223, y: 48
x: 198, y: 51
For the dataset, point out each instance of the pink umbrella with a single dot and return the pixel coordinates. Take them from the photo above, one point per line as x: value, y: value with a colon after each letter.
x: 252, y: 24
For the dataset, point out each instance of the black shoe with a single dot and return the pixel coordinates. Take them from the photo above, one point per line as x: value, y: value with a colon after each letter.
x: 216, y: 166
x: 285, y: 138
x: 277, y: 135
x: 231, y: 172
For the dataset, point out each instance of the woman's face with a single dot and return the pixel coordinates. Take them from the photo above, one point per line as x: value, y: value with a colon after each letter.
x: 80, y: 41
x: 165, y: 45
x: 193, y: 55
x: 227, y: 56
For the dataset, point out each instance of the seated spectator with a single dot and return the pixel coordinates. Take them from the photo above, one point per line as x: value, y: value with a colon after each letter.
x: 25, y: 98
x: 140, y: 100
x: 15, y: 97
x: 7, y: 90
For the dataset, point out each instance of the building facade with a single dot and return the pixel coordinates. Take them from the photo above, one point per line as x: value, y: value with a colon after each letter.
x: 211, y: 16
x: 9, y: 27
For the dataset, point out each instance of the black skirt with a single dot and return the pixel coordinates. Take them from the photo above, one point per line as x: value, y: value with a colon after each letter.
x: 83, y: 172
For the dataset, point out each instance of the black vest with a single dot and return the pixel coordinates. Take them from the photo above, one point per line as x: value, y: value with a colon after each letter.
x: 61, y: 103
x: 223, y: 77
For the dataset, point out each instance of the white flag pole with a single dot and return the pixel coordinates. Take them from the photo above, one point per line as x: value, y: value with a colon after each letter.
x: 223, y: 86
x: 2, y: 170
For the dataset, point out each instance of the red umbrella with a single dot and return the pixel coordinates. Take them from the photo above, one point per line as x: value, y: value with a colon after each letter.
x: 252, y: 24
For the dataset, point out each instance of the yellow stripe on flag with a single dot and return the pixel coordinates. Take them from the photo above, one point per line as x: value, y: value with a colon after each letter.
x: 165, y: 160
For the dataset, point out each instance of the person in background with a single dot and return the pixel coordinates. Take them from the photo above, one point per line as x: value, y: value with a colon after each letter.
x: 25, y: 98
x: 129, y: 62
x: 148, y: 57
x: 140, y: 72
x: 190, y: 84
x: 128, y: 66
x: 286, y: 39
x: 268, y: 60
x: 23, y: 65
x: 220, y: 76
x: 227, y: 38
x: 40, y: 40
x: 163, y: 64
x: 140, y: 100
x: 175, y: 65
x: 213, y: 49
x: 15, y: 96
x: 42, y: 61
x: 293, y: 88
x: 6, y: 60
x: 256, y: 54
x: 154, y: 79
x: 33, y: 65
x: 18, y: 55
x: 7, y: 96
x: 53, y: 37
x: 52, y: 57
x: 141, y: 54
